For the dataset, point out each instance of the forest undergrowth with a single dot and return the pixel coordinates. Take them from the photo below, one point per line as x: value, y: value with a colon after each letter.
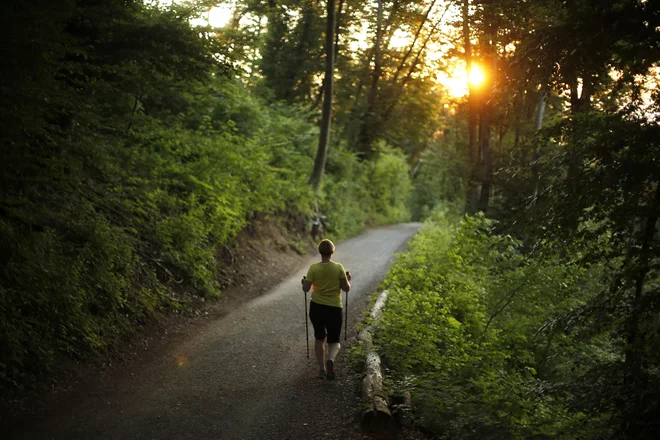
x: 481, y: 329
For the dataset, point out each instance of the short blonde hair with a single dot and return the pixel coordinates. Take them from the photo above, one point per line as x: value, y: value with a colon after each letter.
x: 326, y: 247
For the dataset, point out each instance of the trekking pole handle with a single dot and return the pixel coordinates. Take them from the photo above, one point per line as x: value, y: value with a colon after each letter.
x: 348, y: 276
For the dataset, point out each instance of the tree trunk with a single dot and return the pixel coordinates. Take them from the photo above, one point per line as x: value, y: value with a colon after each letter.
x: 340, y: 9
x: 376, y: 415
x: 322, y: 151
x: 365, y: 137
x: 472, y: 188
x: 540, y: 111
x: 580, y: 103
x: 388, y: 22
x: 386, y: 114
x: 486, y: 160
x: 133, y: 112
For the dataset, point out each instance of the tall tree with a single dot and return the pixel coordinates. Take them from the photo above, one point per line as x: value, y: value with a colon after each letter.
x: 324, y: 136
x: 292, y: 50
x: 473, y: 153
x: 365, y: 136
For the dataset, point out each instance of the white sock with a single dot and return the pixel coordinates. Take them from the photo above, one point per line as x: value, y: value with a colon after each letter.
x: 333, y: 349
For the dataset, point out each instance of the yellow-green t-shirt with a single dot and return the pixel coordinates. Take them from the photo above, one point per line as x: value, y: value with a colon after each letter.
x: 325, y: 278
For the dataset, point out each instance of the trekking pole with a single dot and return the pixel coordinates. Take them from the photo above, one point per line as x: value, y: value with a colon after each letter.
x: 346, y: 311
x: 306, y: 323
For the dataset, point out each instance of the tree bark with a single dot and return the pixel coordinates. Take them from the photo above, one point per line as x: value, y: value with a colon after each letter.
x: 388, y: 23
x: 472, y: 189
x: 340, y: 9
x: 486, y: 160
x: 133, y: 112
x: 485, y: 118
x: 322, y: 150
x: 365, y: 136
x: 376, y: 415
x: 580, y: 103
x: 540, y: 111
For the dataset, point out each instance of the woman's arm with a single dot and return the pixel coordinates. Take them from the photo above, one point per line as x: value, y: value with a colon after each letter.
x: 345, y: 282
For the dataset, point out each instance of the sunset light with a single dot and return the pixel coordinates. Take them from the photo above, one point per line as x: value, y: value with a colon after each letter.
x: 455, y: 79
x: 476, y: 76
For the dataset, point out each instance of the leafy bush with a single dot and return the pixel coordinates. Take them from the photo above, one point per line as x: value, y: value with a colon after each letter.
x: 467, y: 326
x: 388, y: 186
x: 357, y: 194
x: 439, y: 180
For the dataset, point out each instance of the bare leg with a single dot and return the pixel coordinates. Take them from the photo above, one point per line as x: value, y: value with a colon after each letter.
x: 319, y: 349
x: 333, y: 350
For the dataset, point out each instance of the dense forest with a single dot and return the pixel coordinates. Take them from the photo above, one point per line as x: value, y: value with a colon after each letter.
x: 139, y: 138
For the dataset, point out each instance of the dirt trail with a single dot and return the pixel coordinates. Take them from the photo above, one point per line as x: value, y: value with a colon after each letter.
x: 243, y: 376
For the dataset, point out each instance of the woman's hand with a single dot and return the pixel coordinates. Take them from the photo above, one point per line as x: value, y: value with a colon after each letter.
x: 344, y: 283
x: 306, y: 285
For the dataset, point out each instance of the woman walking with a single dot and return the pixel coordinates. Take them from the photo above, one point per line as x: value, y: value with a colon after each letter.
x: 326, y: 279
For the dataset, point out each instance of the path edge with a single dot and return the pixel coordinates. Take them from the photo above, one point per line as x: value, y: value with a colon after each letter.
x: 376, y: 416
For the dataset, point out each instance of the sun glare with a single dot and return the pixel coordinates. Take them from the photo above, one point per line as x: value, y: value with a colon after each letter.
x: 219, y: 16
x: 457, y: 81
x: 454, y: 80
x: 400, y: 39
x: 476, y: 76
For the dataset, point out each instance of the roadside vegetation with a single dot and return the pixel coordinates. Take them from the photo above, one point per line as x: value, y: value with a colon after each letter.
x: 527, y: 307
x: 478, y: 328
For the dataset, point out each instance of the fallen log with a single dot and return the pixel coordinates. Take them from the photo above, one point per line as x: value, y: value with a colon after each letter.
x: 376, y: 415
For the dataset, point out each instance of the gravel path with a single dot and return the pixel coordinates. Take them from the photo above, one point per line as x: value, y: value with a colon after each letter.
x: 245, y: 376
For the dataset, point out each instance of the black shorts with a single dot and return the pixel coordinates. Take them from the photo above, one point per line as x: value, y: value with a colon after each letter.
x: 326, y: 318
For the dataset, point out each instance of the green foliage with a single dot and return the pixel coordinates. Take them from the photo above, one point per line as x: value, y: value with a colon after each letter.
x: 292, y: 50
x: 161, y: 208
x: 356, y: 194
x: 438, y: 181
x: 609, y: 224
x: 388, y: 186
x: 134, y: 157
x: 465, y: 325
